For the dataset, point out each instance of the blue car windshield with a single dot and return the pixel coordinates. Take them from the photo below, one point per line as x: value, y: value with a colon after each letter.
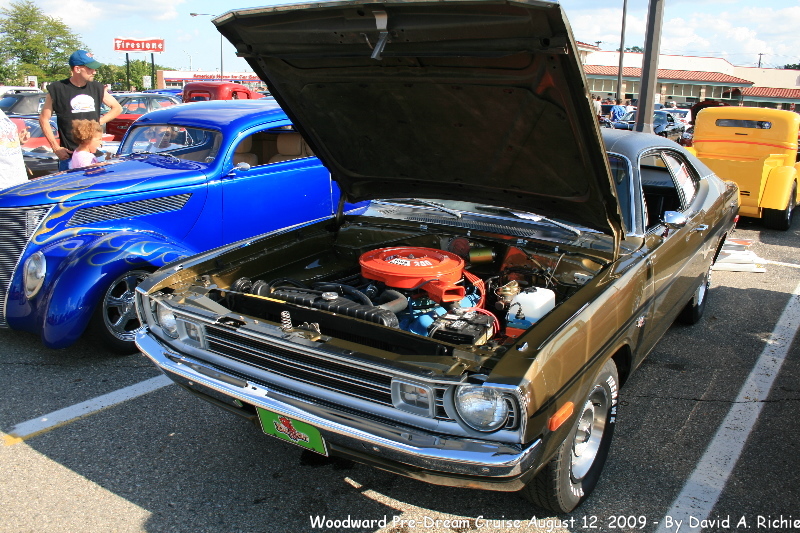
x: 192, y: 144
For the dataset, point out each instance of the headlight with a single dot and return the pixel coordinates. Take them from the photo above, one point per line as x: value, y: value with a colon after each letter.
x: 34, y: 271
x: 166, y: 319
x: 481, y: 408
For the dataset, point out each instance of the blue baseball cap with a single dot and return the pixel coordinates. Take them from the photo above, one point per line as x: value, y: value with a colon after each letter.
x: 83, y: 58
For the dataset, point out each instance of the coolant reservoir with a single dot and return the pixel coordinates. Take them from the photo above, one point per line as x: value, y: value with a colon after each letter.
x: 529, y: 306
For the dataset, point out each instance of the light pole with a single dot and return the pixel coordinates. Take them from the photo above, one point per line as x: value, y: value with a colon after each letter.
x: 621, y: 50
x: 190, y: 59
x: 220, y: 40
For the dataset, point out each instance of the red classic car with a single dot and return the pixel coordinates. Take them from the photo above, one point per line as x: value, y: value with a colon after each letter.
x: 217, y: 90
x: 135, y: 105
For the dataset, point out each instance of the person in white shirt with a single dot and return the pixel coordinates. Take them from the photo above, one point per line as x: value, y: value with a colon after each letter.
x: 12, y: 167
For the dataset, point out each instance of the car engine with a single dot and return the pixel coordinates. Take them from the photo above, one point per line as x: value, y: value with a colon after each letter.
x: 432, y: 293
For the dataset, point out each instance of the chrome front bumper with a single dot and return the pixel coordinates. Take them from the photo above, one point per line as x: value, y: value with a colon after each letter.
x: 406, y: 451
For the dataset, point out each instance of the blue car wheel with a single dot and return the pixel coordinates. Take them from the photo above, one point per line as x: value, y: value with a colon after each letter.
x: 115, y: 321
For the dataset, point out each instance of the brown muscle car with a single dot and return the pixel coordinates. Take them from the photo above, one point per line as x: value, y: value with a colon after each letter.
x: 473, y: 327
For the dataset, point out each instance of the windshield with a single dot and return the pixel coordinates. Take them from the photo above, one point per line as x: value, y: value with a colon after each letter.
x: 460, y: 208
x: 192, y: 144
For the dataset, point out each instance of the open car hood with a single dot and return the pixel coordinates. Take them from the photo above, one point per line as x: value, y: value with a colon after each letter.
x: 481, y: 101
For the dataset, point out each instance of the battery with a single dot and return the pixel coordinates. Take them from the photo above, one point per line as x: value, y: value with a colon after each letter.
x: 467, y: 328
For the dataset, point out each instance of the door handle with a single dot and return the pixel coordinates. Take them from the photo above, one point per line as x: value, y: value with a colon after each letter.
x: 701, y: 228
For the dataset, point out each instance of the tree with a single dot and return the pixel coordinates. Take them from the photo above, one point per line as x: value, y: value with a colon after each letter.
x: 115, y: 74
x: 637, y: 49
x: 34, y: 44
x: 792, y: 66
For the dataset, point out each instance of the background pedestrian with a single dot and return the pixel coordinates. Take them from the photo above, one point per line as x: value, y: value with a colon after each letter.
x: 12, y: 166
x: 77, y: 97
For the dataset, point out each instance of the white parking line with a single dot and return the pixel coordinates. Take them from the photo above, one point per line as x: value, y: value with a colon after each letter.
x: 703, y: 488
x: 42, y: 424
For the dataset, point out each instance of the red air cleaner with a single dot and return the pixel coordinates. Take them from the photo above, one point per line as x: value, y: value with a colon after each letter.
x: 434, y: 271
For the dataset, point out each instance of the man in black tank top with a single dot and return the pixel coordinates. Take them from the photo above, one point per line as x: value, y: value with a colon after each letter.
x: 77, y: 97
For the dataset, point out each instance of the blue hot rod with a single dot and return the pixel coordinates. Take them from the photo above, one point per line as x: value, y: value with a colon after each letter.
x: 189, y: 178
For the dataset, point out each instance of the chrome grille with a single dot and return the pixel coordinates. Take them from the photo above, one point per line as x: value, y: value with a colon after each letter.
x: 326, y: 373
x: 439, y: 411
x: 16, y: 228
x: 138, y: 208
x: 330, y: 374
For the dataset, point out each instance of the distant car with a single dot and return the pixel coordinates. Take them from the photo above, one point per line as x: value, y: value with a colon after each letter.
x: 756, y: 148
x: 135, y: 105
x: 472, y: 328
x: 197, y: 91
x: 36, y: 151
x: 37, y: 138
x: 189, y: 178
x: 664, y: 124
x: 13, y: 89
x: 22, y: 103
x: 176, y: 92
x: 683, y: 116
x: 687, y: 137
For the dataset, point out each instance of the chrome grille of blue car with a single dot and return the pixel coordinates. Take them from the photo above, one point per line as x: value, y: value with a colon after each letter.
x: 137, y: 208
x: 16, y: 228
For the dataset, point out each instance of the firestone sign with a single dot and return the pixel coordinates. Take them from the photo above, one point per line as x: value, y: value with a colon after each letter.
x: 138, y: 45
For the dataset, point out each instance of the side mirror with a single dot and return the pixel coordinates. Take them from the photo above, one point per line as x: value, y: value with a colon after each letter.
x: 242, y: 166
x: 674, y: 220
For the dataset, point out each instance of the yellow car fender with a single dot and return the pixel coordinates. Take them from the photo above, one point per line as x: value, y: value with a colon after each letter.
x: 692, y: 150
x: 778, y: 187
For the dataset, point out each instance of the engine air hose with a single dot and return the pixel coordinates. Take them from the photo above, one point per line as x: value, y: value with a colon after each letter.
x: 345, y: 289
x: 397, y: 304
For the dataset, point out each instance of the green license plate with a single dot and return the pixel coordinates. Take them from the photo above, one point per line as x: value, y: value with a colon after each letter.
x: 294, y: 431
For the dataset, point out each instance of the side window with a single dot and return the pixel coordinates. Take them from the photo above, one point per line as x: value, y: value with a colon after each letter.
x: 274, y: 145
x: 660, y: 189
x: 622, y: 183
x: 683, y: 177
x: 162, y: 102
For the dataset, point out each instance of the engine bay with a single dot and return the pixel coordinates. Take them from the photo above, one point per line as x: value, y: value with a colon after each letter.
x: 444, y: 290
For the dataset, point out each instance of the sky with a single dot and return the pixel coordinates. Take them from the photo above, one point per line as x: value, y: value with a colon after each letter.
x: 735, y: 30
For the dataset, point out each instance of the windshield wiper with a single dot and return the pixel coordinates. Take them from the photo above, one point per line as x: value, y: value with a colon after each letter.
x: 537, y: 218
x: 440, y: 207
x: 533, y: 217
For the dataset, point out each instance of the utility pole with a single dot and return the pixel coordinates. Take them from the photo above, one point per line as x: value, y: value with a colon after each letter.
x: 759, y: 60
x: 652, y: 46
x: 620, y: 95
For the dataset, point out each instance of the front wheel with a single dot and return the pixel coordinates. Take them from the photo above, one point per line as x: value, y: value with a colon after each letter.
x: 781, y: 219
x: 572, y: 474
x: 115, y: 322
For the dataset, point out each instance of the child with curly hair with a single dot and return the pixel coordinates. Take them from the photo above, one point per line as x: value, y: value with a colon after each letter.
x: 89, y: 136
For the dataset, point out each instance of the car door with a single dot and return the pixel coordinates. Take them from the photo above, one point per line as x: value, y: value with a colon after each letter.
x: 274, y: 195
x: 675, y: 258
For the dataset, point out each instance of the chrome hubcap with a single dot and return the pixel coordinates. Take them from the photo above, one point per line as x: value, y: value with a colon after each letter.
x: 589, y: 434
x: 119, y: 309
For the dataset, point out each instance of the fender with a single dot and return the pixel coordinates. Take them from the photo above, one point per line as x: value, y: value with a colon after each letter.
x: 84, y: 276
x: 778, y: 187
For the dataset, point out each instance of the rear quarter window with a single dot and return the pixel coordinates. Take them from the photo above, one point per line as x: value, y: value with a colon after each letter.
x: 736, y: 123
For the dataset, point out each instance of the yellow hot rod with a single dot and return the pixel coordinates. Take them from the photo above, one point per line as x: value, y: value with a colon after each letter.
x: 756, y: 148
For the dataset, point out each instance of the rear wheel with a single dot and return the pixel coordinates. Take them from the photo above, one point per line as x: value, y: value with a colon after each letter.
x: 693, y: 312
x: 115, y: 321
x: 571, y: 475
x: 781, y: 219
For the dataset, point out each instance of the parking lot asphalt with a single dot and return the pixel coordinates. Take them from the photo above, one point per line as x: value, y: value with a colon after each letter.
x: 166, y: 461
